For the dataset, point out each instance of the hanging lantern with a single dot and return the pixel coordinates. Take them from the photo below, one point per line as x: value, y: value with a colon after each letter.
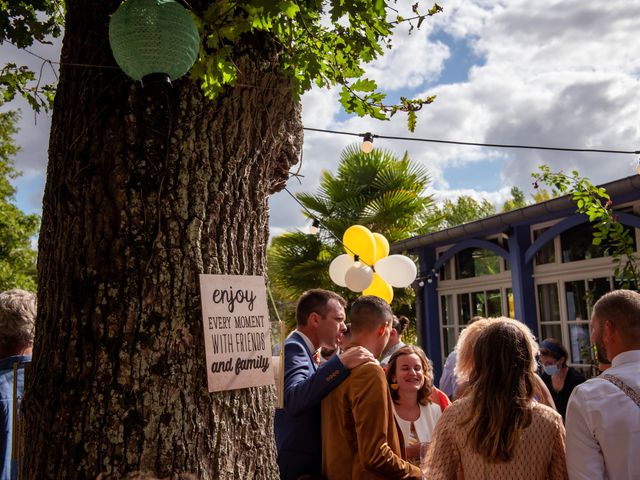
x: 153, y: 40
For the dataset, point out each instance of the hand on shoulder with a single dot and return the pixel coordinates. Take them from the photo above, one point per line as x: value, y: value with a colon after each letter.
x: 355, y: 356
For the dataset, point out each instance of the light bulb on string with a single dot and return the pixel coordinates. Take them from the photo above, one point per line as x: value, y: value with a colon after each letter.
x: 367, y: 142
x: 315, y: 227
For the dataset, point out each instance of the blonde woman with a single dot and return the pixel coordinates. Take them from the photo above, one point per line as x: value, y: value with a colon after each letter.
x: 467, y: 340
x: 497, y: 430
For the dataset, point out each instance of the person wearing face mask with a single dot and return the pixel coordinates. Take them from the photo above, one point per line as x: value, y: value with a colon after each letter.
x: 559, y: 378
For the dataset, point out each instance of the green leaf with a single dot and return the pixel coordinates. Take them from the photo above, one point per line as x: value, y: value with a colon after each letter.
x: 364, y: 85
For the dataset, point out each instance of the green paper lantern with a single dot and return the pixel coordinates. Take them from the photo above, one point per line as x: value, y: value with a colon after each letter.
x: 153, y: 39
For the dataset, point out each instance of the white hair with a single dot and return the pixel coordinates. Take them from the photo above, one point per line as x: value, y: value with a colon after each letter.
x: 17, y: 318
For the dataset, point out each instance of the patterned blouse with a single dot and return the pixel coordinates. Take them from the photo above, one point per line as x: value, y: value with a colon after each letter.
x: 539, y: 455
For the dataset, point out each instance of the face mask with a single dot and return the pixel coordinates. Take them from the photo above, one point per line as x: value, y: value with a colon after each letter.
x: 550, y: 370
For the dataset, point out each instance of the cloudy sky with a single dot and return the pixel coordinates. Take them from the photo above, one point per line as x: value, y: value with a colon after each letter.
x: 562, y: 73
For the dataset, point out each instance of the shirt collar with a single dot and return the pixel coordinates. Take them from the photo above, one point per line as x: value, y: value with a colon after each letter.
x: 630, y: 356
x: 8, y: 362
x: 307, y: 342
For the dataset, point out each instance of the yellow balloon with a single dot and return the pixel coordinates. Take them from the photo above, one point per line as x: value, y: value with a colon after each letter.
x: 382, y: 246
x: 379, y: 288
x: 360, y: 241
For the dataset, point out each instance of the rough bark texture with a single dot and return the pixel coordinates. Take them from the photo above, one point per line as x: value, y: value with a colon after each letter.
x: 145, y: 190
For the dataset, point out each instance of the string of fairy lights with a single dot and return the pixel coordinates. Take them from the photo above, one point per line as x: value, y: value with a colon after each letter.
x: 368, y: 138
x: 140, y: 66
x: 367, y: 147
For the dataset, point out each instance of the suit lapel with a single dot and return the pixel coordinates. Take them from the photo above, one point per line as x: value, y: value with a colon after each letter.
x: 300, y: 340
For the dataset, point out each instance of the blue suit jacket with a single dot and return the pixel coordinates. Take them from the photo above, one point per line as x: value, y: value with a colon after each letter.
x: 297, y: 425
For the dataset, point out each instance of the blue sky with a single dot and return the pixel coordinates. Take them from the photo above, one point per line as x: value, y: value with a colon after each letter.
x: 551, y: 72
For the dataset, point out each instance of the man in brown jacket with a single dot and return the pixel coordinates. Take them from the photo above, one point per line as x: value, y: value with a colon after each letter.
x: 359, y: 435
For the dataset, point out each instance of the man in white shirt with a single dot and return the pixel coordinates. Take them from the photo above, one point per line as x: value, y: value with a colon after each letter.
x: 603, y: 421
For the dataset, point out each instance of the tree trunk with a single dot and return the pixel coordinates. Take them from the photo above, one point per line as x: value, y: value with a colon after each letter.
x: 145, y: 190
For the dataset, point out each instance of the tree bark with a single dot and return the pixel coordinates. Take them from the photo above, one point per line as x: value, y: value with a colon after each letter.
x: 147, y: 188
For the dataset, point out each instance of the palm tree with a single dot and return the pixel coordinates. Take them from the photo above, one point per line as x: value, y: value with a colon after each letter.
x: 377, y: 190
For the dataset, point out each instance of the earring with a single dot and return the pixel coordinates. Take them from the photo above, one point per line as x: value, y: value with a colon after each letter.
x: 394, y: 386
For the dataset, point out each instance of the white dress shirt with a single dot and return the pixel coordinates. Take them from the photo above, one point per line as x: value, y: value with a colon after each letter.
x: 307, y: 342
x: 603, y: 425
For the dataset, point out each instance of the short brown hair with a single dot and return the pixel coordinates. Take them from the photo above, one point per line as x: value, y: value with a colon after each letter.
x: 425, y: 391
x: 621, y: 308
x: 368, y: 313
x: 315, y: 301
x: 17, y: 318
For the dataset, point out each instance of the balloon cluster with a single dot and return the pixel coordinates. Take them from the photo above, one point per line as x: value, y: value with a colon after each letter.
x: 367, y: 266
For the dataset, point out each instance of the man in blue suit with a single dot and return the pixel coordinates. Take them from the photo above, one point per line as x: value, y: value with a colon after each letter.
x: 320, y: 321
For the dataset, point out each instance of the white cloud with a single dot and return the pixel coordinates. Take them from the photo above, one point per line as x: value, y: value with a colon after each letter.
x: 419, y: 60
x: 551, y: 72
x: 497, y: 198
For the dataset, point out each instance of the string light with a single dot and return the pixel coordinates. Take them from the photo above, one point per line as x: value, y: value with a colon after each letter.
x: 355, y: 255
x: 367, y: 142
x: 427, y: 277
x: 412, y: 139
x: 315, y: 227
x: 477, y: 144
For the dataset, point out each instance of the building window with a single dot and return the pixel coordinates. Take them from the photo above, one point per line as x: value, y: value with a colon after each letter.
x: 564, y: 311
x: 464, y: 309
x: 445, y: 271
x: 511, y: 309
x: 449, y: 330
x: 580, y: 343
x: 446, y: 306
x: 548, y: 303
x: 576, y: 244
x: 581, y: 295
x: 547, y: 253
x: 576, y: 298
x: 493, y: 303
x: 476, y: 262
x: 454, y: 317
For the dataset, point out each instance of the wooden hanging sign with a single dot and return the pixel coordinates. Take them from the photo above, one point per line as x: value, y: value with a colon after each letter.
x: 235, y: 321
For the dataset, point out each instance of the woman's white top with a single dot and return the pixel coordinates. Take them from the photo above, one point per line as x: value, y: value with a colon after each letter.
x: 424, y: 425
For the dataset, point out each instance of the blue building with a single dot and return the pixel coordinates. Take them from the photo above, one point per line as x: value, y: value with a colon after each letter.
x: 536, y: 264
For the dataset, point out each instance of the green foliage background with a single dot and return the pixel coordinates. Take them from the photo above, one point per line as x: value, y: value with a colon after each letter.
x: 17, y: 257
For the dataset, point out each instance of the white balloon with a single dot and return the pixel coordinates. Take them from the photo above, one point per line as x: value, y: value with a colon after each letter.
x: 397, y: 270
x: 339, y: 267
x: 358, y: 278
